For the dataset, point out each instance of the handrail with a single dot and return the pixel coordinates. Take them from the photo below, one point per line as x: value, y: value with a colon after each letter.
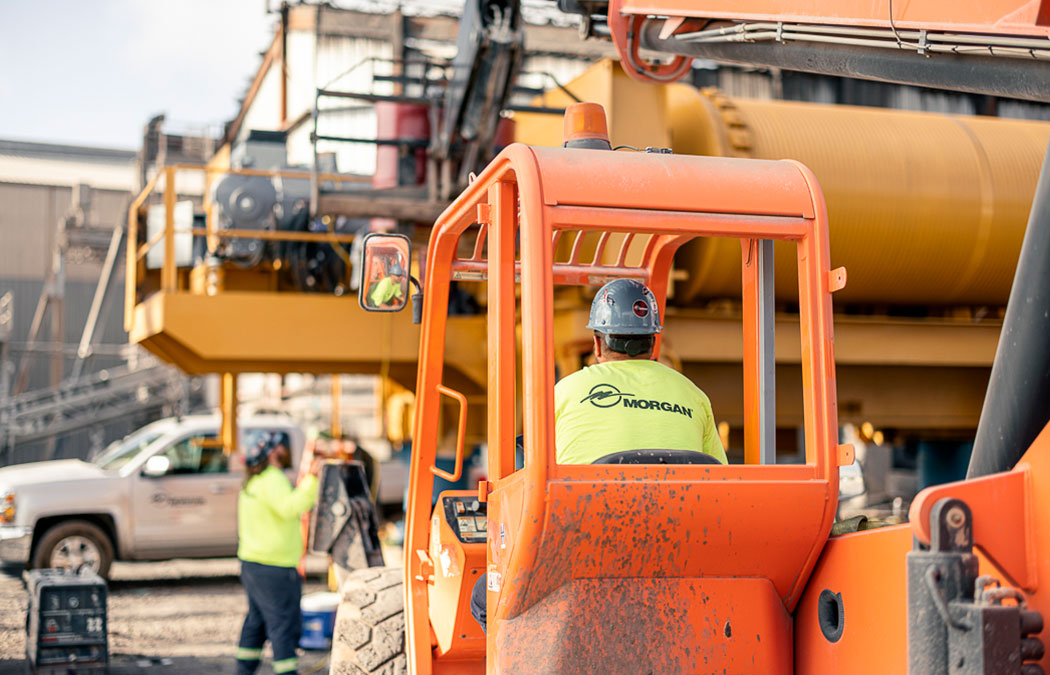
x: 460, y: 436
x: 274, y: 235
x: 144, y: 248
x: 140, y: 201
x: 169, y: 279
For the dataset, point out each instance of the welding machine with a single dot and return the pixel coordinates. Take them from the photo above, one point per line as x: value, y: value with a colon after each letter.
x: 66, y: 625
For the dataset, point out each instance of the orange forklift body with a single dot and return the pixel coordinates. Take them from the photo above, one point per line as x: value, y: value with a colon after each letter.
x: 619, y: 568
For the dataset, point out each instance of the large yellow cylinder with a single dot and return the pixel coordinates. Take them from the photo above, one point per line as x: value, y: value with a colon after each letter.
x: 924, y: 208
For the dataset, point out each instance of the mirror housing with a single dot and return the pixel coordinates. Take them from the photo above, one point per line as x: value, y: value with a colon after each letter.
x: 385, y: 269
x: 156, y: 466
x: 851, y: 481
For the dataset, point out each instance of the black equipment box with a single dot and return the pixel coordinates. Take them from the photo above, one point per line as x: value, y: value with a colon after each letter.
x: 66, y: 627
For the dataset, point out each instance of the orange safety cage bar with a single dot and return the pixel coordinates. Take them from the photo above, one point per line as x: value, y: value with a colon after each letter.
x: 523, y: 203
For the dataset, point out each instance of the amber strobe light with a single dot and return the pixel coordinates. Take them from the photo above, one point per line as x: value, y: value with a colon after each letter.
x: 585, y: 127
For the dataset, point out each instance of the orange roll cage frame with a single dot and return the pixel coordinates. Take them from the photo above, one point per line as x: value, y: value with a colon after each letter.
x: 522, y: 204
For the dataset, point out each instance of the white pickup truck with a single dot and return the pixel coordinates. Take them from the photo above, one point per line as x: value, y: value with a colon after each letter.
x: 154, y: 495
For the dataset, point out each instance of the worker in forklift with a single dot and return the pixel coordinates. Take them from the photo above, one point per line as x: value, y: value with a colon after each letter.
x: 626, y: 400
x: 387, y: 290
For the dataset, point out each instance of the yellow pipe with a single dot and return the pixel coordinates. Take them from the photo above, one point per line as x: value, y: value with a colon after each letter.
x: 924, y: 208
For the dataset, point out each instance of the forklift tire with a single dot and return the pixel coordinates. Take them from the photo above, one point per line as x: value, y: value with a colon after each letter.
x: 369, y: 636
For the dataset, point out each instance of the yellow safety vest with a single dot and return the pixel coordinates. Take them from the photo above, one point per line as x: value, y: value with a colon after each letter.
x: 268, y: 511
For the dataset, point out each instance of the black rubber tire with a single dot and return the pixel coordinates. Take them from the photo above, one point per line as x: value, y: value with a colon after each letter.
x: 41, y: 557
x: 369, y: 636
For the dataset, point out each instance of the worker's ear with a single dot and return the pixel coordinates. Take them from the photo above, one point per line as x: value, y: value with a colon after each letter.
x: 597, y: 348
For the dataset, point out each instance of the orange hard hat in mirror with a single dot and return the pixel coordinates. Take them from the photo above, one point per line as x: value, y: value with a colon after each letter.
x: 585, y: 127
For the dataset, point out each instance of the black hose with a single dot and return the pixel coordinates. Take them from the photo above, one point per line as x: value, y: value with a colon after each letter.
x: 1015, y: 405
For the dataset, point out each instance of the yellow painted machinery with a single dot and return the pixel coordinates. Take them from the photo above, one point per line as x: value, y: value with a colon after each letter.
x: 896, y: 183
x: 211, y: 314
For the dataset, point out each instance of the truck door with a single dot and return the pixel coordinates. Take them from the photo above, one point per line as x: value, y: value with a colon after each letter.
x: 192, y: 509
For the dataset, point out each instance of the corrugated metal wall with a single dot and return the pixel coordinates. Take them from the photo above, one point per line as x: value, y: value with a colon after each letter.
x: 27, y: 228
x: 350, y: 64
x: 28, y: 216
x: 26, y: 293
x: 265, y: 111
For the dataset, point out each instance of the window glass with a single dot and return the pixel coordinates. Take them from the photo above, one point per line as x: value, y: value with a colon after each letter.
x: 190, y: 456
x: 121, y: 452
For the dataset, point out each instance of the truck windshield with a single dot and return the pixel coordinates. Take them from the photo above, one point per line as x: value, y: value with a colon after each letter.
x: 121, y: 452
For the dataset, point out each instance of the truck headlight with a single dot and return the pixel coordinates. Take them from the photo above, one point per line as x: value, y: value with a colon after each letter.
x: 7, y: 508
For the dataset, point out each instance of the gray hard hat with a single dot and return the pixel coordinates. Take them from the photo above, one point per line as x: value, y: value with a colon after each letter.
x: 265, y: 443
x: 396, y: 270
x: 625, y: 307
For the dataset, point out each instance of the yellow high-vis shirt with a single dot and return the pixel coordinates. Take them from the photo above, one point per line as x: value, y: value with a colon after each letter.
x: 268, y: 511
x: 385, y: 290
x: 631, y: 405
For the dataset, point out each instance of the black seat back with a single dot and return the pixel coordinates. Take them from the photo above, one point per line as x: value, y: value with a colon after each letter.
x: 657, y: 457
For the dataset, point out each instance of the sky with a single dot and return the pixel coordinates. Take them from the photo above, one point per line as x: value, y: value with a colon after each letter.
x: 93, y: 72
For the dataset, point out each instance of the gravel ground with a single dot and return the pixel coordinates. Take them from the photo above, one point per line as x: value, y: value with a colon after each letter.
x: 178, y: 616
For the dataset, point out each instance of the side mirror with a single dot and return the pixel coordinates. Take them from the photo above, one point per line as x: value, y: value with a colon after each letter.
x: 384, y: 273
x: 156, y: 466
x: 851, y: 481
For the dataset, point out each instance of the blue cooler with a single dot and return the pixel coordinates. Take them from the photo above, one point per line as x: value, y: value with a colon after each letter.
x: 318, y: 611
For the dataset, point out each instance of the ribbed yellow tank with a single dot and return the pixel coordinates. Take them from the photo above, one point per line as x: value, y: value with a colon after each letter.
x: 924, y: 208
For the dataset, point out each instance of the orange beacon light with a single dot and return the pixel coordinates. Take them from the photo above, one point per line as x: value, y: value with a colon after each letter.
x: 585, y: 127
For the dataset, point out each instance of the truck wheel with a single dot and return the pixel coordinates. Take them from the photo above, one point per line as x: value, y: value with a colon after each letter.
x: 369, y: 636
x: 74, y: 544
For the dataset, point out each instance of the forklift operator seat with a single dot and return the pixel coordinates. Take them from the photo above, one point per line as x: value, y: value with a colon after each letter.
x: 657, y: 457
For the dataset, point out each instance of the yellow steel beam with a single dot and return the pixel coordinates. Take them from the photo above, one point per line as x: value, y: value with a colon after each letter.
x: 697, y: 336
x: 715, y: 337
x: 294, y: 332
x: 890, y: 397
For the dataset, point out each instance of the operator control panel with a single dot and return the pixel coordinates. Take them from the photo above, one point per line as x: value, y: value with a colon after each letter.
x: 467, y: 517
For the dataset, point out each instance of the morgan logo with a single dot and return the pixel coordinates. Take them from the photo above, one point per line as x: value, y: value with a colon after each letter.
x: 604, y: 396
x: 641, y: 308
x: 607, y: 396
x: 161, y: 499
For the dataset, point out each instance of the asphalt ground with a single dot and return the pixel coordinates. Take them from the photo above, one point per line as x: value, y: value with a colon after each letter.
x: 176, y: 616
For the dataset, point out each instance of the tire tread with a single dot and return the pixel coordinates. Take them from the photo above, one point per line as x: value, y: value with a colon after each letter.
x: 370, y: 624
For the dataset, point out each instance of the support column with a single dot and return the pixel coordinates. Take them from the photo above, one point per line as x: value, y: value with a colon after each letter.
x: 337, y: 398
x: 759, y: 352
x: 229, y: 413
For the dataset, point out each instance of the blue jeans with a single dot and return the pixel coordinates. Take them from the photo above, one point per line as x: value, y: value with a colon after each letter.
x: 273, y: 613
x: 479, y: 601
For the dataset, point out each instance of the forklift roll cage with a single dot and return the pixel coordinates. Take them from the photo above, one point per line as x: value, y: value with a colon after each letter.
x: 696, y: 523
